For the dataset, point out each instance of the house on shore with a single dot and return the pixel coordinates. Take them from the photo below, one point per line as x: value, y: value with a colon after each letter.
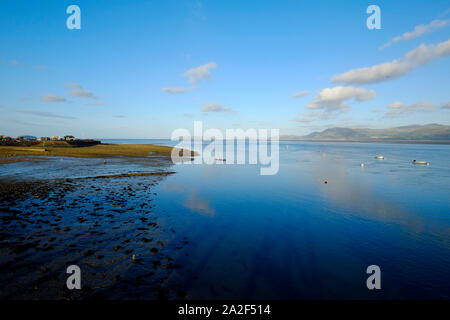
x: 69, y: 138
x: 27, y: 138
x: 5, y: 138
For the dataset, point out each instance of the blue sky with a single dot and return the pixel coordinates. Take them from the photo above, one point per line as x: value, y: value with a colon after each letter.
x: 246, y: 60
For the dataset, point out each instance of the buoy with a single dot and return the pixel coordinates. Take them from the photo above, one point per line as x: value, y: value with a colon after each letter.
x: 326, y: 181
x: 287, y: 147
x: 104, y: 161
x: 133, y: 257
x: 362, y: 165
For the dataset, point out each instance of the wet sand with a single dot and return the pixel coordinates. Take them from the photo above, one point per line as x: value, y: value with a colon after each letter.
x: 98, y: 223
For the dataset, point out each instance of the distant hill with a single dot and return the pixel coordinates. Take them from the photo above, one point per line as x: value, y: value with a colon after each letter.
x: 414, y: 133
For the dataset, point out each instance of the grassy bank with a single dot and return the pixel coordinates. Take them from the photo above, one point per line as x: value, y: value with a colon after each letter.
x: 8, y: 153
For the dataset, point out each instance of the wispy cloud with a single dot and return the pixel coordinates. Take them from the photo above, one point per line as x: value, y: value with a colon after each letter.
x: 417, y: 32
x: 40, y: 67
x: 443, y: 14
x: 215, y: 107
x: 304, y: 120
x: 398, y: 109
x: 300, y: 94
x: 53, y: 98
x: 188, y: 115
x: 420, y: 56
x: 24, y: 123
x: 47, y: 115
x: 95, y: 104
x: 196, y: 74
x: 174, y: 90
x: 78, y: 91
x: 118, y: 116
x: 196, y: 9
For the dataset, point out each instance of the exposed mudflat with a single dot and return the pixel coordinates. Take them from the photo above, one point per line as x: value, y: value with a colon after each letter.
x: 108, y: 227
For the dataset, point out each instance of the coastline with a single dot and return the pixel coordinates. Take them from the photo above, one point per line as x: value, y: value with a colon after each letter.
x: 376, y: 141
x: 8, y: 154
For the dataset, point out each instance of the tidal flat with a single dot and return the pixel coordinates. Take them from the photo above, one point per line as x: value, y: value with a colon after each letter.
x: 98, y: 215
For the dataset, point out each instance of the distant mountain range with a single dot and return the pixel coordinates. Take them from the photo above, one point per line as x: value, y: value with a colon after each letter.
x: 434, y: 133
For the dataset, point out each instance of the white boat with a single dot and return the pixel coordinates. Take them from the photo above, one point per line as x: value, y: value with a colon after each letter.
x: 380, y: 157
x: 424, y: 163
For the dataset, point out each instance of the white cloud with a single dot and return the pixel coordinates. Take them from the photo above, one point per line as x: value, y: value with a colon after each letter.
x: 330, y: 102
x: 196, y: 74
x: 215, y: 107
x: 78, y: 91
x: 174, y: 90
x: 300, y: 94
x: 331, y: 99
x: 398, y: 109
x: 396, y: 68
x: 417, y: 32
x: 52, y: 98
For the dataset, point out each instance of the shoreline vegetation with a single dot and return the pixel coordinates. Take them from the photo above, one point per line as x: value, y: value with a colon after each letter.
x: 9, y: 153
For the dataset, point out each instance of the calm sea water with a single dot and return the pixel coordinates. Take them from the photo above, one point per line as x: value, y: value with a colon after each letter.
x: 290, y: 235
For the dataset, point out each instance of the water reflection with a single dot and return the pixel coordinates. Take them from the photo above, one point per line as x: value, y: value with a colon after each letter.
x: 199, y: 205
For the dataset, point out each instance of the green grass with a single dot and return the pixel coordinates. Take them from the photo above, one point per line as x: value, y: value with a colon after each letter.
x: 95, y: 151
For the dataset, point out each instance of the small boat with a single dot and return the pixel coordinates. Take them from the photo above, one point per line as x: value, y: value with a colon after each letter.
x: 424, y: 163
x: 380, y: 157
x: 221, y: 159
